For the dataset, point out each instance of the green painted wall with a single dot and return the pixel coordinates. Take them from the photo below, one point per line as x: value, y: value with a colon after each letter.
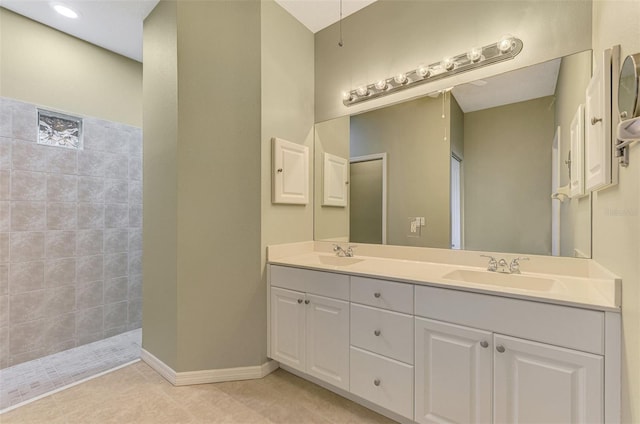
x: 507, y: 177
x: 616, y: 210
x: 160, y: 185
x: 41, y: 65
x: 392, y: 36
x: 413, y: 136
x: 215, y: 83
x: 575, y: 214
x: 220, y: 324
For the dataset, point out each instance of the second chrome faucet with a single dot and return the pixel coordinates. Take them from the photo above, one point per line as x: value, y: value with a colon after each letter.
x: 348, y: 252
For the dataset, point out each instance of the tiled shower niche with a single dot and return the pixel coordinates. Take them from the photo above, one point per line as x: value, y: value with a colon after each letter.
x: 70, y: 236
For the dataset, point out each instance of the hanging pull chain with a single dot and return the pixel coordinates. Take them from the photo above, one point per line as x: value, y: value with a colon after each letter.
x: 340, y: 43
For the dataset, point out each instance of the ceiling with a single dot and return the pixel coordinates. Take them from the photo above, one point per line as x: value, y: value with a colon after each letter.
x: 319, y: 14
x: 507, y: 88
x: 116, y: 25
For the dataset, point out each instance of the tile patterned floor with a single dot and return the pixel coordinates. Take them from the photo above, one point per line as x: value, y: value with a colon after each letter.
x: 32, y: 379
x: 137, y: 394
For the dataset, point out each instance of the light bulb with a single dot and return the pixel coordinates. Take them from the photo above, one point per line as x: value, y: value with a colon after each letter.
x: 423, y: 71
x: 65, y: 11
x: 475, y: 54
x: 362, y: 91
x: 505, y: 44
x: 400, y: 78
x: 381, y: 85
x: 346, y: 96
x: 448, y: 63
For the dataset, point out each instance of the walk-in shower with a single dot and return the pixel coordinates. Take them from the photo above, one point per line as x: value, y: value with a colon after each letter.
x: 70, y: 233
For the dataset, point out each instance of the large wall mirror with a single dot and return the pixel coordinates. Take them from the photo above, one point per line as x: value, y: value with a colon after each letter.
x: 473, y: 167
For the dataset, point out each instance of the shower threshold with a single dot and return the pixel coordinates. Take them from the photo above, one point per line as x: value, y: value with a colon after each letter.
x: 33, y: 380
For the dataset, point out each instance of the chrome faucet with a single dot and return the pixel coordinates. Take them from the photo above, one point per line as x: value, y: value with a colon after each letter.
x: 348, y: 253
x: 502, y: 266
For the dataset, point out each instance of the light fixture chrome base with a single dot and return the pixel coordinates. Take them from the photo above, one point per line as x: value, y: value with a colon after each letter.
x: 490, y: 54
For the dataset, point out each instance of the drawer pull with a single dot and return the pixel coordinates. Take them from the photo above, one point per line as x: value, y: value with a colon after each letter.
x: 376, y: 382
x: 306, y: 302
x: 376, y: 332
x: 500, y: 348
x: 376, y: 294
x: 299, y: 300
x: 484, y: 344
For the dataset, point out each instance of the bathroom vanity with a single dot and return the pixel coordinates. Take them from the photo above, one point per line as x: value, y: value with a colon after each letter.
x: 430, y: 336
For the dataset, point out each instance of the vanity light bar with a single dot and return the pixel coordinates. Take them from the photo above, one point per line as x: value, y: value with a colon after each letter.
x: 507, y: 48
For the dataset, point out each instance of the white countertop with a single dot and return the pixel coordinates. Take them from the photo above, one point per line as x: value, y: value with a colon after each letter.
x: 590, y: 287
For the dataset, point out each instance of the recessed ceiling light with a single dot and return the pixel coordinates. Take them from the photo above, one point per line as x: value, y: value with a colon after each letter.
x: 65, y: 11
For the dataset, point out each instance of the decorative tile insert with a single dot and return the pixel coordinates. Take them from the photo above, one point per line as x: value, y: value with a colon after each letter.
x: 59, y: 130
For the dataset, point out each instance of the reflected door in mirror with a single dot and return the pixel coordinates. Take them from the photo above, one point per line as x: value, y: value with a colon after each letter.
x: 365, y: 217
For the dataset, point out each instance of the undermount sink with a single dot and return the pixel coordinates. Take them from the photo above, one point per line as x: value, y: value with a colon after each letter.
x: 515, y: 281
x: 338, y: 260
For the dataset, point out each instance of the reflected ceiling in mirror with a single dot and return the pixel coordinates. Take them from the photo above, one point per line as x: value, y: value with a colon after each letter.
x: 473, y: 167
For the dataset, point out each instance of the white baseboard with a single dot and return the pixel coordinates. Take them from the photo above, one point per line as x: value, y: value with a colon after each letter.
x: 160, y: 367
x: 208, y: 376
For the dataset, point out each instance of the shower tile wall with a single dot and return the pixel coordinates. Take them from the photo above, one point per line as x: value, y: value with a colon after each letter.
x: 70, y: 236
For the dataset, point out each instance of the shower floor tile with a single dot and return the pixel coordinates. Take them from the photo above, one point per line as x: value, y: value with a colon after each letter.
x: 26, y: 381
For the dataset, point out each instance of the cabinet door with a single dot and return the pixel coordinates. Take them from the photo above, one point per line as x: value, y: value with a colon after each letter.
x: 453, y: 373
x: 598, y: 127
x: 335, y: 180
x: 290, y: 172
x: 576, y: 131
x: 538, y: 383
x: 288, y: 327
x: 328, y: 340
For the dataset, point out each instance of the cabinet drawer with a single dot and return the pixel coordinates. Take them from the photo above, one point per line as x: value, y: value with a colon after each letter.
x: 383, y: 381
x: 382, y: 294
x: 315, y: 282
x: 574, y: 328
x: 384, y: 332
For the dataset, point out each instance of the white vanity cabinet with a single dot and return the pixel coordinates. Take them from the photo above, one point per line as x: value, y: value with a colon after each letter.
x: 427, y: 354
x: 309, y: 331
x: 462, y: 373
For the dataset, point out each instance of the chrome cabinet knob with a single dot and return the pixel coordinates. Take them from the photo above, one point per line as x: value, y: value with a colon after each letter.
x: 376, y: 294
x: 376, y: 382
x: 484, y: 344
x: 376, y: 332
x: 500, y: 348
x: 306, y: 302
x: 299, y: 300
